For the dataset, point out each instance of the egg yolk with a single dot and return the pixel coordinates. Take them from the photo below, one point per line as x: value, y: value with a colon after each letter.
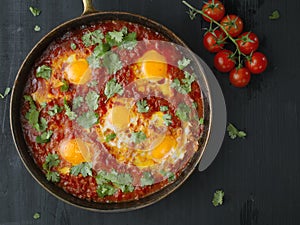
x: 78, y: 71
x: 120, y: 117
x: 75, y: 151
x: 162, y: 150
x: 152, y: 64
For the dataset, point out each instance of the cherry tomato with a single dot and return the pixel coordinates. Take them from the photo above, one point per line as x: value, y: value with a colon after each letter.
x: 214, y: 41
x: 233, y: 25
x: 215, y: 9
x: 257, y: 63
x: 240, y: 77
x: 248, y: 42
x: 224, y: 61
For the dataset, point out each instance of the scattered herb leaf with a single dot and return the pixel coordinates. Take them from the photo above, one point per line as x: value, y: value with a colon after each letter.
x: 142, y: 106
x: 44, y: 137
x: 54, y: 110
x: 183, y: 63
x: 110, y: 137
x: 34, y: 11
x: 147, y: 179
x: 77, y: 102
x: 6, y: 92
x: 44, y: 72
x: 168, y: 174
x: 37, y: 28
x: 52, y: 176
x: 138, y: 137
x: 112, y: 62
x: 186, y: 85
x: 93, y: 83
x: 65, y: 86
x: 275, y: 15
x: 91, y: 100
x: 72, y: 115
x: 167, y: 119
x: 201, y: 121
x: 88, y: 119
x: 183, y: 112
x: 73, y: 46
x: 84, y: 168
x: 218, y: 198
x: 163, y: 108
x: 233, y: 132
x: 36, y: 216
x: 105, y: 190
x: 112, y: 87
x: 51, y: 161
x: 92, y: 38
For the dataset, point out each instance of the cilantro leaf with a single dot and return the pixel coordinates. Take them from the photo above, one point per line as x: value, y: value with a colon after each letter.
x: 34, y: 11
x: 183, y: 112
x: 110, y: 137
x: 99, y: 51
x: 129, y: 41
x: 112, y: 87
x: 37, y: 28
x: 115, y: 38
x: 184, y: 62
x: 54, y: 110
x: 112, y: 62
x: 88, y: 119
x: 52, y: 176
x: 167, y: 119
x: 218, y: 198
x: 77, y: 102
x: 91, y: 100
x: 65, y: 86
x: 84, y: 168
x: 275, y: 15
x: 36, y: 216
x: 186, y: 85
x: 92, y: 38
x: 94, y: 61
x: 73, y: 46
x: 138, y: 137
x: 142, y: 106
x: 42, y: 126
x: 147, y: 179
x: 105, y: 190
x: 163, y: 108
x: 44, y: 72
x: 201, y: 121
x: 72, y: 115
x: 6, y: 92
x: 44, y: 137
x: 168, y: 174
x: 233, y: 132
x: 51, y: 161
x: 93, y: 83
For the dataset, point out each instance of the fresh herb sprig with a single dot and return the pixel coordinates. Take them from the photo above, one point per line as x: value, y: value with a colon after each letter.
x: 52, y: 160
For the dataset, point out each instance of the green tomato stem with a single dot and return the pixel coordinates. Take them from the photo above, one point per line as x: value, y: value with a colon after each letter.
x: 198, y: 11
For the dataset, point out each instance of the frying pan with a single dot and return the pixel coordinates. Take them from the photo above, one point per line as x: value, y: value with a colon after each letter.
x: 91, y: 15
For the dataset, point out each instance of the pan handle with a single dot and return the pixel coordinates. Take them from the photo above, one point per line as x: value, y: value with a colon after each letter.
x: 88, y: 7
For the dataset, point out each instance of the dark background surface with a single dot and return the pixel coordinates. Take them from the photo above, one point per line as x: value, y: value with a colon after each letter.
x: 260, y: 175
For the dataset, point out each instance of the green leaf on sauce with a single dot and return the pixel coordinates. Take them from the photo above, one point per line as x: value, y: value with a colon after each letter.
x: 163, y: 108
x: 110, y: 137
x: 73, y: 46
x: 138, y: 137
x: 44, y: 137
x: 112, y: 87
x: 6, y: 92
x: 201, y: 121
x: 185, y: 86
x: 147, y: 179
x: 54, y: 110
x: 91, y: 100
x: 167, y: 118
x: 52, y: 176
x: 51, y: 161
x: 105, y: 190
x: 183, y: 112
x: 129, y: 41
x: 88, y: 119
x: 218, y: 198
x: 184, y: 62
x: 84, y: 168
x: 65, y: 86
x: 72, y: 115
x: 168, y: 175
x: 93, y: 83
x: 77, y: 102
x: 233, y: 132
x: 115, y: 38
x: 44, y: 72
x: 99, y: 51
x: 142, y: 106
x: 112, y: 62
x: 34, y: 11
x: 92, y: 38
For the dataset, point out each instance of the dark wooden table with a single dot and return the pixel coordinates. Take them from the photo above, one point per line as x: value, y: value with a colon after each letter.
x: 260, y: 175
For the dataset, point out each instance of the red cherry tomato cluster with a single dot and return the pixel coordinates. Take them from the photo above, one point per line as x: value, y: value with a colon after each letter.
x: 245, y: 60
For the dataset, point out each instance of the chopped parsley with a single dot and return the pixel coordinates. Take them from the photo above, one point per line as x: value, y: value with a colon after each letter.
x: 88, y: 119
x: 138, y: 137
x: 54, y: 110
x: 167, y: 119
x: 110, y: 182
x: 275, y: 15
x: 112, y: 62
x: 218, y: 198
x: 77, y: 102
x: 72, y: 115
x: 6, y: 92
x: 147, y: 179
x: 34, y: 11
x: 65, y: 86
x: 201, y: 121
x: 51, y: 161
x: 168, y: 175
x: 99, y: 51
x: 112, y: 87
x: 36, y: 216
x: 114, y: 38
x: 92, y: 38
x: 91, y: 100
x: 129, y: 41
x: 37, y: 28
x: 142, y: 106
x: 84, y: 168
x: 73, y: 46
x: 185, y: 86
x: 44, y: 137
x: 93, y: 83
x: 183, y: 112
x: 233, y: 132
x: 163, y: 108
x: 183, y: 63
x: 44, y: 72
x: 110, y: 137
